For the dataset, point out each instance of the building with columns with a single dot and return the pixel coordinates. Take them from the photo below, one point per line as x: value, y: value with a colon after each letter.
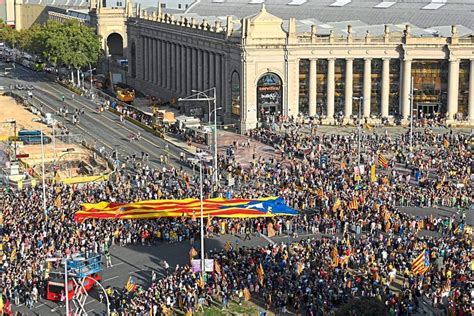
x: 263, y: 66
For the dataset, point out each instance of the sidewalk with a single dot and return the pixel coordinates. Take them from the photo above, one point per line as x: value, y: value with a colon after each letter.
x: 180, y: 144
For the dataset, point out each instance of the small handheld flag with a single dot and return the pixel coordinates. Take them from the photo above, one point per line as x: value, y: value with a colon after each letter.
x: 421, y: 263
x: 383, y: 161
x: 131, y: 284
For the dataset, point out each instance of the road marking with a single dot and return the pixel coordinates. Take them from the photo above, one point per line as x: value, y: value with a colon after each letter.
x: 90, y: 311
x: 41, y: 304
x: 267, y: 239
x: 114, y: 265
x: 87, y: 303
x: 109, y: 279
x: 115, y: 122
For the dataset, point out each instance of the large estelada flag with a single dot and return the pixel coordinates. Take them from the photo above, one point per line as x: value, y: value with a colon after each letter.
x: 217, y: 207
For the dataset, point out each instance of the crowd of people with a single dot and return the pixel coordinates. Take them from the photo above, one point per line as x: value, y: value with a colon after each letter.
x: 362, y: 244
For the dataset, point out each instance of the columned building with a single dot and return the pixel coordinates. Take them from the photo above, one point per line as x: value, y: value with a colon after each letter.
x: 264, y: 66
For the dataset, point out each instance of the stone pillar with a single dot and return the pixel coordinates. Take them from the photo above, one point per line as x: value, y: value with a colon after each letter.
x: 189, y: 69
x: 158, y: 62
x: 212, y: 70
x: 367, y: 87
x: 385, y: 87
x: 168, y: 65
x: 142, y: 61
x: 205, y: 70
x: 173, y: 67
x: 154, y: 62
x: 194, y: 70
x: 453, y: 88
x: 470, y: 114
x: 146, y: 57
x: 312, y: 87
x: 183, y: 69
x: 178, y: 66
x: 406, y: 88
x: 200, y: 77
x: 219, y: 79
x: 163, y: 64
x: 331, y: 87
x: 348, y: 88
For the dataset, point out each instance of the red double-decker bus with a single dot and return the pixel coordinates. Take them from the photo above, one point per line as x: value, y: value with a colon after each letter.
x: 55, y: 285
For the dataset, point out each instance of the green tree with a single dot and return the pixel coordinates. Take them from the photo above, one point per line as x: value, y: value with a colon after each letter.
x: 363, y: 307
x: 70, y: 43
x: 8, y: 34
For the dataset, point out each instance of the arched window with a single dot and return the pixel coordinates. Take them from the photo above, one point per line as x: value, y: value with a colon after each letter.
x: 235, y: 93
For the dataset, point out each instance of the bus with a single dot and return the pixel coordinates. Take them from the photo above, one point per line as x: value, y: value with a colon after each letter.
x: 55, y: 285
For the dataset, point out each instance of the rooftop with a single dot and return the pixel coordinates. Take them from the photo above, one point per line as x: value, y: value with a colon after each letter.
x: 422, y: 13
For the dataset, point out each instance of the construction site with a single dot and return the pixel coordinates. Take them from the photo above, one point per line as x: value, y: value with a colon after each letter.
x: 32, y: 144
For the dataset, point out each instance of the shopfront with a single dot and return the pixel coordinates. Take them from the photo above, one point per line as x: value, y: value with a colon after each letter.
x: 269, y: 96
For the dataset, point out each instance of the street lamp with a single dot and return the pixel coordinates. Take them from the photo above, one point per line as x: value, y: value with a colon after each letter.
x: 202, y: 157
x: 359, y: 129
x: 411, y: 95
x: 205, y: 96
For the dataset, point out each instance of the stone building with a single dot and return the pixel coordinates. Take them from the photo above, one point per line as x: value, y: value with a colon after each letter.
x: 262, y: 66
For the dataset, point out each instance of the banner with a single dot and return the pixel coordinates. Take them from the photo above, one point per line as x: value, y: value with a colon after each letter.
x: 196, y: 265
x: 217, y: 207
x: 208, y: 265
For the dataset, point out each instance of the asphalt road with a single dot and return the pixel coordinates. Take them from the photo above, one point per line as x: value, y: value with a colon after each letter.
x: 105, y: 129
x: 138, y: 261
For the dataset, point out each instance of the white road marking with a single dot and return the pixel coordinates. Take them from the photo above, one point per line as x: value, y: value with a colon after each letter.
x: 267, y: 239
x: 111, y: 120
x: 109, y: 279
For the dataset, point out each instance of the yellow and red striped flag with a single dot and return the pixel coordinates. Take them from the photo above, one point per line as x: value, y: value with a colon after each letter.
x: 421, y: 263
x: 227, y: 246
x: 217, y: 267
x: 247, y: 295
x: 383, y: 161
x: 260, y: 274
x: 446, y: 143
x: 336, y: 205
x: 131, y: 284
x: 320, y: 193
x: 354, y: 205
x: 193, y: 253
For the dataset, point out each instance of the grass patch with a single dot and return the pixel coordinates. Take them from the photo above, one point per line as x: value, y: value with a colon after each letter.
x: 234, y: 309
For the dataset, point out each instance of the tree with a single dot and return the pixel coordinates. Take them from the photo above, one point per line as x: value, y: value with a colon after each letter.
x: 363, y: 307
x: 70, y: 43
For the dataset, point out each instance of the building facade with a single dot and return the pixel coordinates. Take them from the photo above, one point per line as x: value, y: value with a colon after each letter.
x: 262, y: 66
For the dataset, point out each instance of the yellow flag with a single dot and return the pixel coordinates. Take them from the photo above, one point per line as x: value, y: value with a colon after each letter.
x: 247, y: 295
x: 260, y: 274
x: 373, y: 176
x: 336, y: 205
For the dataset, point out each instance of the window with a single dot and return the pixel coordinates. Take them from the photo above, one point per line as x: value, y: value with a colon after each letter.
x: 163, y: 5
x: 179, y: 5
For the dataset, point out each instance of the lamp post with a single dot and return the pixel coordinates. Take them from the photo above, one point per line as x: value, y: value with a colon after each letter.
x: 42, y: 173
x: 205, y: 96
x: 202, y: 158
x: 411, y: 115
x: 359, y: 129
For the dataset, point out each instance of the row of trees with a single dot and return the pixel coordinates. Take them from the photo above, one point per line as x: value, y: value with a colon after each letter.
x: 70, y: 43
